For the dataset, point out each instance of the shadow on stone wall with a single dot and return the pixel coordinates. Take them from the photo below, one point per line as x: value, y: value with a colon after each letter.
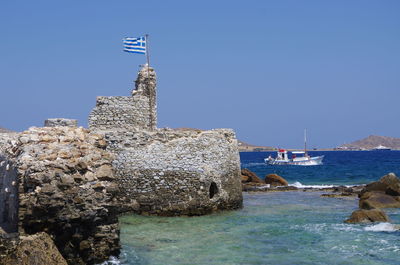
x: 8, y: 196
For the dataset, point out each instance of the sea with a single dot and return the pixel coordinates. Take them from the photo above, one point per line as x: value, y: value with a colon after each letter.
x: 293, y: 227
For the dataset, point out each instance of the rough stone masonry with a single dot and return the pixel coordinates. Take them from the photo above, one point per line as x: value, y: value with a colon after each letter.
x: 164, y: 171
x: 66, y: 189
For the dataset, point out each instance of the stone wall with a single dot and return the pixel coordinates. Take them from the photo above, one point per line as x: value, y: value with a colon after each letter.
x: 66, y: 189
x: 55, y: 122
x: 138, y: 111
x: 5, y: 139
x: 164, y: 171
x: 120, y: 112
x: 169, y: 172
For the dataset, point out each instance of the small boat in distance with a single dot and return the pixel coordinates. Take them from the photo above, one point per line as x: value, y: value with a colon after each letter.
x: 299, y: 158
x: 381, y: 148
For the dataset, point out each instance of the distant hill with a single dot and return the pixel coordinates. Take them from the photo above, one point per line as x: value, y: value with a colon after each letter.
x: 243, y: 147
x: 373, y: 141
x: 4, y: 130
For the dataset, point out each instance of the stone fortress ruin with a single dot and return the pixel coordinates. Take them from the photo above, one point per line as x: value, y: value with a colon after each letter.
x: 72, y: 183
x: 164, y: 171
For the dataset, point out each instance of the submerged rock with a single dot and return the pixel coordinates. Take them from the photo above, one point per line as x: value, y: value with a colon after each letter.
x: 338, y: 195
x: 368, y: 216
x: 275, y: 180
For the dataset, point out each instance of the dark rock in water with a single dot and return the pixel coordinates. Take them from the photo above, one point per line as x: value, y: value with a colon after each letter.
x: 368, y: 216
x: 343, y: 191
x: 338, y: 195
x: 390, y: 179
x: 389, y: 184
x: 373, y: 187
x: 275, y: 180
x: 340, y: 189
x: 393, y: 184
x: 376, y: 199
x: 245, y: 178
x: 35, y: 249
x: 286, y: 188
x: 249, y: 176
x: 393, y: 190
x: 383, y: 193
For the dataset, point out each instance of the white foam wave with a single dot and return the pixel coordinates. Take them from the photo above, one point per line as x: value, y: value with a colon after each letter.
x: 297, y: 184
x: 301, y: 186
x: 112, y: 261
x: 383, y: 227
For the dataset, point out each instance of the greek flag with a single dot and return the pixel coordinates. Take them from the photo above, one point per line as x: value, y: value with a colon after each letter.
x: 135, y: 45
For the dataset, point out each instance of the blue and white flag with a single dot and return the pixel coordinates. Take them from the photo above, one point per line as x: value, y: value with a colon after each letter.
x: 135, y: 45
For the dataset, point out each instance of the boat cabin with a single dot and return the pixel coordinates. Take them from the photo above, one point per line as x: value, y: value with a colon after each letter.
x: 282, y: 155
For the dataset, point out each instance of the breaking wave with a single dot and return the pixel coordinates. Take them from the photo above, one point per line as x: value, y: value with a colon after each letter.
x: 383, y: 227
x: 301, y: 186
x: 297, y: 184
x: 112, y: 261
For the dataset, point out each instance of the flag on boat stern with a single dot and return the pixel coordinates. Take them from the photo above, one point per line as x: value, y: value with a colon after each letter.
x: 135, y: 45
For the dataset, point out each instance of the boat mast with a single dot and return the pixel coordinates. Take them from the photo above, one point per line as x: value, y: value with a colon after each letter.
x: 305, y: 142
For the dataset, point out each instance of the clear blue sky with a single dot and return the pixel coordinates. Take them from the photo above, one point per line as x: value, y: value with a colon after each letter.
x: 267, y: 69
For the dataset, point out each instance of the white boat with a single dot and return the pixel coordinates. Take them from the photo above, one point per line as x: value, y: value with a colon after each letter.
x: 298, y: 158
x: 381, y: 148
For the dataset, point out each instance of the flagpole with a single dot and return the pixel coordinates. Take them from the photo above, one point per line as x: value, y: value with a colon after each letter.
x: 148, y: 83
x: 147, y: 49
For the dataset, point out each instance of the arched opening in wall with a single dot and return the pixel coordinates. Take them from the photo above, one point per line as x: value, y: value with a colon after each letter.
x: 213, y: 189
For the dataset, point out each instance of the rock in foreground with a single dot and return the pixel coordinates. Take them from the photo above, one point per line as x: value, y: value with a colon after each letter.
x: 374, y: 196
x: 36, y: 249
x: 65, y: 190
x: 368, y: 216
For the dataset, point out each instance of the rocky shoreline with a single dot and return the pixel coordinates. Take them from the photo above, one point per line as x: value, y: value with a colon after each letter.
x: 373, y: 197
x: 273, y: 183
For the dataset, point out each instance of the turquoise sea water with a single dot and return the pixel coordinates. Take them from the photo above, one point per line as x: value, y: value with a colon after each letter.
x: 278, y: 227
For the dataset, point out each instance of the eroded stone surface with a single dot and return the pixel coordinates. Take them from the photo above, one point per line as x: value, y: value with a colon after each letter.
x: 55, y: 122
x: 170, y: 172
x: 65, y: 190
x: 164, y: 171
x: 36, y: 249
